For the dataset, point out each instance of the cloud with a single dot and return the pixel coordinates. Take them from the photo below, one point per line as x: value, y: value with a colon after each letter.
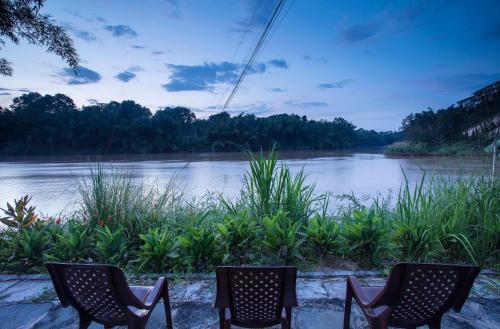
x: 359, y: 32
x: 125, y: 76
x: 257, y: 13
x: 157, y: 52
x: 315, y: 59
x: 338, y: 84
x: 81, y: 34
x: 280, y: 63
x: 204, y: 77
x: 121, y: 31
x: 93, y: 101
x: 277, y: 90
x: 83, y: 76
x: 5, y: 94
x: 137, y: 47
x: 256, y: 109
x: 136, y: 68
x: 306, y: 104
x: 22, y: 90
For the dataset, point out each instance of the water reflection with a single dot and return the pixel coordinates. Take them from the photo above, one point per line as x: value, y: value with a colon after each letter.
x: 52, y: 181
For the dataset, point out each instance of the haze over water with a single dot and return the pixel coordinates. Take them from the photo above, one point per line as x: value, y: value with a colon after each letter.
x: 53, y: 181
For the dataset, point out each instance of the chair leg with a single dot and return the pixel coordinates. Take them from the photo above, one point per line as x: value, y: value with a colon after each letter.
x: 435, y: 323
x: 223, y: 322
x: 84, y: 321
x: 168, y: 311
x: 348, y: 303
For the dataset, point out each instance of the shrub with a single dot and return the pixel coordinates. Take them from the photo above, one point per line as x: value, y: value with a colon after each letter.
x: 71, y: 243
x: 200, y: 248
x: 158, y: 251
x: 111, y: 246
x: 19, y: 216
x: 239, y: 232
x: 365, y: 236
x: 323, y: 235
x: 282, y: 238
x: 25, y: 249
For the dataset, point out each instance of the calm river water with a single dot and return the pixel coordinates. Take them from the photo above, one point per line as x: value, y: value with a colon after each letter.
x: 53, y: 181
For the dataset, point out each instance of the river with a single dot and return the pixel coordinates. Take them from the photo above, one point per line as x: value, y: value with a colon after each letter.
x: 52, y: 181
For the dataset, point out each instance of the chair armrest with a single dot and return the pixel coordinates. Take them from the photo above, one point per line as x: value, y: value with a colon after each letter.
x: 358, y: 291
x: 157, y: 293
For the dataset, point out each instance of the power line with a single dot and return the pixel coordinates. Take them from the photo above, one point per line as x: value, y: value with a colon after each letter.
x: 256, y: 50
x: 247, y: 29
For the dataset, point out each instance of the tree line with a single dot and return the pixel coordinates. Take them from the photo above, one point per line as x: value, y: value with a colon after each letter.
x: 449, y: 125
x: 53, y: 124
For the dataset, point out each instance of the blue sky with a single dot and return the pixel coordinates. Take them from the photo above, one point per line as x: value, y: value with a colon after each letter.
x: 371, y: 62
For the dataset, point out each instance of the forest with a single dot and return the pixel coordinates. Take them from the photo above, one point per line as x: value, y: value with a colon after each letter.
x: 52, y: 124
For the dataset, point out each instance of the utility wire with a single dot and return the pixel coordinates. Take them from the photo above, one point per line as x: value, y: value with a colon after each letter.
x: 247, y: 29
x: 256, y: 50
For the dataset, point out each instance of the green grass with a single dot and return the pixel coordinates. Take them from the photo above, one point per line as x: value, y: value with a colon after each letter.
x: 279, y: 219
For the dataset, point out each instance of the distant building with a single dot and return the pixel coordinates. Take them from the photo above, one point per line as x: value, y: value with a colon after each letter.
x: 486, y: 94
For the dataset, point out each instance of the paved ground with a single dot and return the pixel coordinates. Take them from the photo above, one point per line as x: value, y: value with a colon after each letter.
x: 30, y: 302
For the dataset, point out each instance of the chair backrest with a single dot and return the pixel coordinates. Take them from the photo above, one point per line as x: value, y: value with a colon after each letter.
x: 95, y: 290
x: 417, y: 293
x: 256, y: 295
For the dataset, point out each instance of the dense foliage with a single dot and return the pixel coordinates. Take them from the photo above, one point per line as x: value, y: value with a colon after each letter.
x: 36, y: 124
x: 444, y: 132
x: 278, y: 220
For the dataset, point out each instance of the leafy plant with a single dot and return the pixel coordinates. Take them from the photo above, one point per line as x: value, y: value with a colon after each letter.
x: 282, y: 237
x: 158, y: 250
x: 366, y: 236
x: 72, y: 244
x: 26, y: 249
x: 239, y: 233
x: 200, y: 247
x: 323, y: 235
x: 110, y: 245
x: 20, y: 215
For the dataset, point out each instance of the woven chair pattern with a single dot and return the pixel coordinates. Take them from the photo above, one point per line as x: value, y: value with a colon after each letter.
x: 424, y: 292
x: 92, y: 290
x: 256, y: 294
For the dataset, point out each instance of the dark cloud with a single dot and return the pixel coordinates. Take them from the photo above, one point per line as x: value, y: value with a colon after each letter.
x: 280, y: 63
x: 157, y: 52
x: 469, y: 81
x: 5, y: 94
x: 93, y: 101
x: 121, y: 31
x: 125, y: 76
x: 315, y: 59
x: 206, y: 76
x: 83, y: 76
x: 136, y: 68
x: 79, y: 33
x: 359, y: 32
x: 278, y: 90
x: 137, y: 47
x: 338, y: 84
x: 306, y: 104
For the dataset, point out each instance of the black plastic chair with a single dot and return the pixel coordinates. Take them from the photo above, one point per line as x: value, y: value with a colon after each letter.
x: 414, y: 295
x: 255, y: 297
x: 101, y: 293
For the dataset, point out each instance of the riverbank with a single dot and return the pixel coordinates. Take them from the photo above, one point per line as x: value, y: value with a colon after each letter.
x: 406, y: 148
x: 278, y: 219
x: 321, y: 299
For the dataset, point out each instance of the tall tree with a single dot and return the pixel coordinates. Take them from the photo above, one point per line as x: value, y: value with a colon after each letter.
x: 21, y: 19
